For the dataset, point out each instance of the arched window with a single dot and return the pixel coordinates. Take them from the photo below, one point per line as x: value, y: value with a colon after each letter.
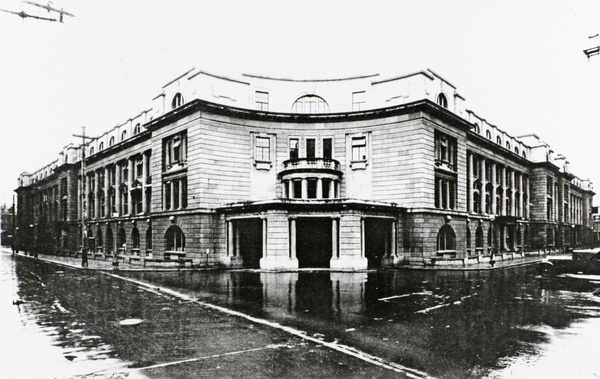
x: 174, y: 239
x: 488, y: 134
x: 516, y: 150
x: 91, y: 150
x: 135, y: 239
x: 476, y: 128
x: 310, y: 104
x: 111, y: 141
x: 101, y: 147
x: 446, y: 239
x: 524, y: 154
x: 499, y: 140
x: 177, y: 100
x: 507, y: 145
x: 122, y: 240
x: 149, y: 240
x: 442, y: 100
x: 99, y: 241
x: 479, y: 240
x: 468, y: 241
x: 137, y: 129
x: 124, y: 135
x: 110, y: 245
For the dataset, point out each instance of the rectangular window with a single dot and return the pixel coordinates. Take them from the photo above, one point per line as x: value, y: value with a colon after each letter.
x: 174, y: 151
x: 445, y: 192
x: 263, y: 149
x: 310, y: 147
x: 294, y: 148
x: 359, y: 149
x: 549, y: 186
x: 312, y: 188
x: 327, y: 148
x: 262, y: 100
x: 445, y: 150
x: 139, y: 168
x: 358, y: 100
x: 297, y: 185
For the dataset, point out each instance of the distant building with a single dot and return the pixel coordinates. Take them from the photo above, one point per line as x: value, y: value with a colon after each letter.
x: 279, y: 173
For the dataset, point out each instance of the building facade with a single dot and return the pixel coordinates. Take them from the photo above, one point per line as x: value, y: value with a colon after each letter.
x: 278, y: 173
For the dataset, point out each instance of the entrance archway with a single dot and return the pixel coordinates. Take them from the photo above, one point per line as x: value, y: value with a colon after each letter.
x: 250, y: 241
x: 378, y: 240
x: 313, y: 242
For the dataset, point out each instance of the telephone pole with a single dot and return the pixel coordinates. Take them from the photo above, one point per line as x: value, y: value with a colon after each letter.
x: 84, y: 142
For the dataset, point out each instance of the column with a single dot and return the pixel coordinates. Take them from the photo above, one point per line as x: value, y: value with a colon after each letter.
x: 230, y: 239
x: 521, y: 197
x: 470, y: 175
x: 528, y: 199
x: 332, y: 189
x: 290, y: 184
x: 264, y: 238
x: 394, y: 251
x: 88, y: 184
x: 236, y: 250
x: 292, y: 238
x: 513, y: 189
x: 172, y: 185
x: 503, y: 209
x: 362, y: 237
x: 180, y: 193
x: 118, y: 189
x: 483, y: 185
x: 334, y: 238
x: 493, y: 192
x: 304, y: 188
x: 96, y: 195
x: 319, y: 188
x: 129, y: 186
x: 106, y: 196
x: 144, y: 179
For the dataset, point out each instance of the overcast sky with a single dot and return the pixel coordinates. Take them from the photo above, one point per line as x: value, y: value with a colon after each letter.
x: 519, y: 64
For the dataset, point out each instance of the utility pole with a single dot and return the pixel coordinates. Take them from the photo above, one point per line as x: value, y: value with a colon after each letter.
x: 84, y: 143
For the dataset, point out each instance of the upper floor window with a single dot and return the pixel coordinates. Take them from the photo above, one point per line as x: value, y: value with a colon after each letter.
x: 516, y: 150
x: 488, y: 134
x: 262, y: 100
x: 359, y: 148
x: 442, y: 100
x: 508, y: 145
x: 101, y: 146
x: 294, y: 142
x: 476, y: 128
x: 310, y: 104
x: 174, y: 150
x: 137, y: 129
x: 499, y: 140
x: 358, y: 100
x: 327, y: 148
x: 124, y: 135
x: 91, y: 151
x: 177, y: 100
x: 524, y: 154
x: 311, y: 148
x: 263, y: 149
x: 445, y: 150
x: 111, y: 141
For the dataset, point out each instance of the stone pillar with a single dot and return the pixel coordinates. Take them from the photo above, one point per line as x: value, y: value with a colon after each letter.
x: 335, y: 254
x: 264, y: 238
x: 96, y: 195
x: 118, y: 189
x: 106, y: 196
x: 88, y: 184
x: 332, y: 189
x: 290, y: 184
x: 362, y: 237
x: 236, y: 250
x: 180, y: 194
x: 503, y: 209
x: 521, y: 202
x: 471, y: 179
x: 493, y: 209
x: 513, y: 189
x: 172, y: 194
x: 528, y: 199
x: 304, y: 188
x: 394, y: 250
x: 293, y: 238
x: 483, y: 185
x: 144, y: 179
x: 230, y: 239
x: 319, y: 188
x: 129, y: 186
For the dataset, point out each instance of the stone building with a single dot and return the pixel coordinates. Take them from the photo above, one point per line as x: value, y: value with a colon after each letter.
x: 279, y: 173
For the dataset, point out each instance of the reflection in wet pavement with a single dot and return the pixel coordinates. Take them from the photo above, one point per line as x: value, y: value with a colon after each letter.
x: 503, y: 323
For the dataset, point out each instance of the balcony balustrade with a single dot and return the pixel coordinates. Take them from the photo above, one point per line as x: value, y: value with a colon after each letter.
x: 311, y: 165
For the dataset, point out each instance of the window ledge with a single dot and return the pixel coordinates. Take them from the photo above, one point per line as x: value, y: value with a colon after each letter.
x: 359, y: 165
x: 263, y: 165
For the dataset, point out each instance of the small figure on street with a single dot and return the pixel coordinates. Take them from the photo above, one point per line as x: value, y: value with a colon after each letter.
x: 84, y: 257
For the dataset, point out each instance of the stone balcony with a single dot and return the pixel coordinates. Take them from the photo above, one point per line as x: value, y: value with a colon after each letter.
x: 311, y: 165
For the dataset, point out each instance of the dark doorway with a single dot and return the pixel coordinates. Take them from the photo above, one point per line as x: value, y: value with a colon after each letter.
x: 378, y: 240
x: 250, y: 241
x: 313, y: 242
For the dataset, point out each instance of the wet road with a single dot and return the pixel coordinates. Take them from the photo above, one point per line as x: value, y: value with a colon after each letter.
x: 504, y: 323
